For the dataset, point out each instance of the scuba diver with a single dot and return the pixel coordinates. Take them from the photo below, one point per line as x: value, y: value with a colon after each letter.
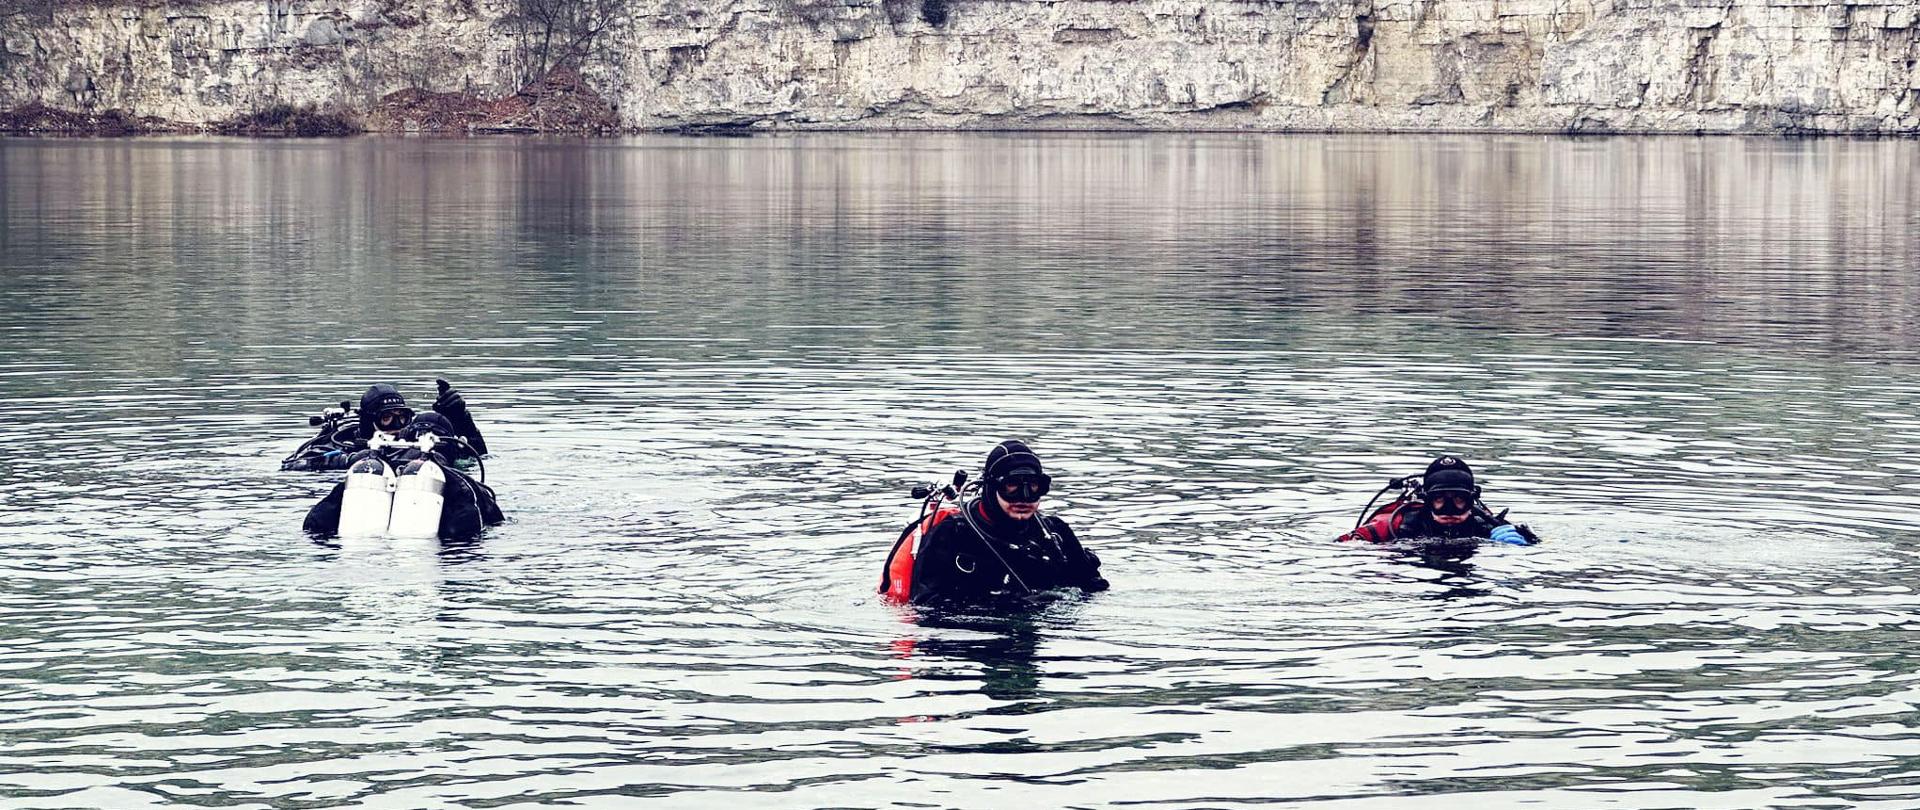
x: 382, y: 411
x: 1444, y: 502
x: 429, y: 492
x: 993, y: 547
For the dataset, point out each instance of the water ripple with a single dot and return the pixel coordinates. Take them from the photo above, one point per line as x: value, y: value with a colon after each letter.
x: 712, y: 368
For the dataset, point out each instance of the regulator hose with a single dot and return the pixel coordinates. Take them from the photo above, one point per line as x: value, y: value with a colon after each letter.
x: 1392, y: 484
x: 986, y: 539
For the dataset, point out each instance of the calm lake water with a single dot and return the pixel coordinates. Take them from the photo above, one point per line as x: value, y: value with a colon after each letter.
x: 712, y: 368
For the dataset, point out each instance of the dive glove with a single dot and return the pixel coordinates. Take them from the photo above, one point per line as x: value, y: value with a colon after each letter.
x: 1508, y: 535
x: 450, y: 403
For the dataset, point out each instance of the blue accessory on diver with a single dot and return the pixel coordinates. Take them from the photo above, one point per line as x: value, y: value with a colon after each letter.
x: 1508, y: 535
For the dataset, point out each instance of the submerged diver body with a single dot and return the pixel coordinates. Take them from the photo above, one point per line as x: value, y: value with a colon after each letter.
x: 384, y: 411
x: 467, y: 505
x: 1443, y: 503
x: 999, y: 546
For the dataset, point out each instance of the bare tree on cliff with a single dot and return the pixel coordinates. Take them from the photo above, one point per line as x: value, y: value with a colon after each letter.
x: 556, y: 34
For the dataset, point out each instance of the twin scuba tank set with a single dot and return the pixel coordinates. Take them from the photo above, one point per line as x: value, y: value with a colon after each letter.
x: 402, y: 502
x: 1413, y: 494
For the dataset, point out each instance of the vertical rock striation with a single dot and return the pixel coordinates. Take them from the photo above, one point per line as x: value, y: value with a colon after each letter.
x: 1416, y: 65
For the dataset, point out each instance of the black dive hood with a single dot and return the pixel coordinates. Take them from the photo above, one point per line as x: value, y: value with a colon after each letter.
x: 379, y: 399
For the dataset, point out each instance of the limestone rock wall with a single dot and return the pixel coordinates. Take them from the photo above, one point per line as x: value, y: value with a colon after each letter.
x: 203, y: 62
x: 1514, y: 65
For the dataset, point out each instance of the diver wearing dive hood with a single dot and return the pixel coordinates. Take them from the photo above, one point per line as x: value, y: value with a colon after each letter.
x: 1003, y: 547
x: 1443, y: 503
x: 382, y: 410
x: 467, y: 507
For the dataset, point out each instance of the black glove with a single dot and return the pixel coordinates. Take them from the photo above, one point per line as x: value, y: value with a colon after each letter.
x: 449, y: 403
x: 454, y: 408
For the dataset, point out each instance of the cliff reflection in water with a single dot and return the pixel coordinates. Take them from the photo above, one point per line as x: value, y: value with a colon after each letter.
x: 1746, y: 240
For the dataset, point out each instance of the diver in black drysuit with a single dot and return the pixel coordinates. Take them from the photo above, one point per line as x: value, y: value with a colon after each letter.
x: 468, y: 506
x: 381, y: 409
x: 1017, y: 557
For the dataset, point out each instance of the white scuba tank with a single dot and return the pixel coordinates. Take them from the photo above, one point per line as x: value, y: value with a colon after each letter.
x: 417, y: 500
x: 367, y: 504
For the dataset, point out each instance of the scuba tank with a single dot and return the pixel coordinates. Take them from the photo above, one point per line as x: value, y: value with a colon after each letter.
x: 367, y: 504
x: 418, y: 496
x: 1409, y: 488
x: 336, y: 430
x: 937, y: 503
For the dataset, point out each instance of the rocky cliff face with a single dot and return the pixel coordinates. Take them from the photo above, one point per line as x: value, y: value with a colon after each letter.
x: 1516, y: 65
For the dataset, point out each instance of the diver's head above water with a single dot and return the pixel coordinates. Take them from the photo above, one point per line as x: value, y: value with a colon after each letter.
x: 1014, y: 475
x: 383, y: 410
x: 1449, y: 491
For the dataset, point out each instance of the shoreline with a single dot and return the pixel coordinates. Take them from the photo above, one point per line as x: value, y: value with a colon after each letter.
x: 162, y: 129
x: 562, y: 102
x: 533, y: 112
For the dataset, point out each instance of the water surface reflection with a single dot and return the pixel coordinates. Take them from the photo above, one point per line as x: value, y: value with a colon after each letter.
x: 712, y: 369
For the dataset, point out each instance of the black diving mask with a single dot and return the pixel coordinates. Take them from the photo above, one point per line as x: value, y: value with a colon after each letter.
x: 1023, y: 488
x: 1450, y: 503
x: 392, y: 421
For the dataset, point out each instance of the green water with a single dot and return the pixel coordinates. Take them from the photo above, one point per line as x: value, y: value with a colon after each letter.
x: 711, y: 369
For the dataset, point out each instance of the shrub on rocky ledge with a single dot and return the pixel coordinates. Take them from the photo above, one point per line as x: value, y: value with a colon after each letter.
x: 35, y: 117
x: 559, y: 102
x: 290, y: 121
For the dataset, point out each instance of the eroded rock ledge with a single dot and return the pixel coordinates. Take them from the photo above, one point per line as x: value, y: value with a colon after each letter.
x: 1764, y: 66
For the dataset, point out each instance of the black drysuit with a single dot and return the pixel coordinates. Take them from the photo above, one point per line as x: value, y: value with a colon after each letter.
x: 334, y: 449
x: 956, y: 565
